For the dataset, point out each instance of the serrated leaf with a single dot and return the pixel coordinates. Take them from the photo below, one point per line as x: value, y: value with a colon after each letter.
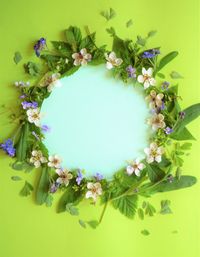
x: 88, y: 42
x: 145, y: 232
x: 154, y: 172
x: 26, y: 190
x: 165, y: 207
x: 16, y: 178
x: 176, y: 75
x: 82, y: 223
x: 32, y: 69
x: 111, y: 31
x: 62, y: 47
x: 108, y: 15
x: 129, y: 23
x: 166, y: 59
x: 127, y: 205
x: 93, y: 223
x: 73, y: 37
x: 43, y: 186
x: 17, y: 57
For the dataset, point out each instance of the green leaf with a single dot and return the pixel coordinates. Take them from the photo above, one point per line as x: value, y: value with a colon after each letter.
x: 126, y: 205
x: 184, y: 134
x: 17, y: 165
x: 165, y: 207
x: 32, y: 69
x: 98, y: 56
x: 129, y: 23
x: 73, y: 37
x: 17, y: 57
x: 108, y: 15
x: 145, y: 232
x: 69, y: 196
x: 71, y: 71
x: 62, y: 47
x: 186, y: 146
x: 49, y: 200
x: 111, y: 31
x: 151, y: 33
x: 93, y: 223
x: 82, y: 223
x: 88, y: 42
x: 154, y: 172
x: 16, y: 178
x: 149, y: 209
x: 21, y: 147
x: 141, y: 41
x: 26, y: 190
x: 175, y: 75
x: 166, y: 59
x: 43, y: 186
x: 72, y: 209
x: 191, y: 113
x: 140, y: 213
x: 177, y: 183
x: 120, y: 47
x: 160, y: 75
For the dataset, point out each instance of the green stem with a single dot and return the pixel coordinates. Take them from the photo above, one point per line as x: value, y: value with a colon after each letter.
x: 103, y: 212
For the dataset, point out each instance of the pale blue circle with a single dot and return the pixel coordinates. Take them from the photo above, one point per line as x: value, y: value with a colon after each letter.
x: 97, y: 122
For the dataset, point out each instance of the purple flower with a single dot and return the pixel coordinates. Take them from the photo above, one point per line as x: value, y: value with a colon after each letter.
x: 181, y: 115
x: 79, y: 178
x: 150, y: 53
x: 23, y: 96
x: 98, y: 176
x: 168, y: 130
x: 27, y: 105
x: 162, y: 106
x: 39, y: 46
x: 131, y: 71
x: 8, y: 147
x: 46, y: 128
x: 165, y: 85
x: 54, y: 187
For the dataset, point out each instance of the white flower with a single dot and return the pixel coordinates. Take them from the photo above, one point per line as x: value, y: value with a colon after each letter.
x: 34, y: 116
x: 54, y: 161
x: 94, y: 190
x: 64, y: 176
x: 157, y: 121
x: 112, y: 60
x: 146, y: 78
x: 154, y: 153
x: 81, y: 58
x: 135, y: 167
x: 53, y: 81
x: 155, y: 100
x: 37, y: 158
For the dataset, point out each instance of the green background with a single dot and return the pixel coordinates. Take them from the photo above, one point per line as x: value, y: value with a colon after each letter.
x: 28, y: 230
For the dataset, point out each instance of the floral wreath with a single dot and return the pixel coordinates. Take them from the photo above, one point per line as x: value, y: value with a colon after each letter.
x: 129, y: 61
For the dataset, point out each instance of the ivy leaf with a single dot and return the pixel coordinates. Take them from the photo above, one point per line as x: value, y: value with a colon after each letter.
x: 129, y: 23
x: 184, y: 134
x: 145, y: 232
x: 82, y: 223
x: 154, y: 172
x: 17, y: 57
x: 175, y: 75
x: 93, y: 223
x: 108, y: 15
x: 166, y: 59
x: 111, y: 31
x: 69, y: 196
x: 43, y: 186
x: 49, y: 200
x: 126, y: 205
x: 72, y: 209
x: 26, y: 190
x: 73, y: 37
x: 16, y: 178
x: 165, y: 209
x: 151, y: 33
x: 140, y: 213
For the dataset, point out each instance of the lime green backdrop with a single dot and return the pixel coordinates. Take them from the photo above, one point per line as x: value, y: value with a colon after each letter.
x: 28, y: 230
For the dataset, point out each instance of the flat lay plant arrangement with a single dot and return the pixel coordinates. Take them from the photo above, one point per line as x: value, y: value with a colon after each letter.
x: 130, y: 61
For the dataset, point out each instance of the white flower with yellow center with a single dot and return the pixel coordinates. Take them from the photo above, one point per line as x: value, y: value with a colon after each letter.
x: 155, y: 100
x: 112, y: 61
x: 157, y: 121
x: 154, y: 153
x: 54, y: 161
x: 37, y: 158
x: 34, y: 116
x: 146, y: 78
x: 64, y: 176
x: 53, y: 81
x: 94, y: 190
x: 81, y: 58
x: 135, y: 167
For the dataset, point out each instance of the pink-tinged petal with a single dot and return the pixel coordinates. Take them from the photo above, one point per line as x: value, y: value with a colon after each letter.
x: 140, y: 79
x: 112, y: 56
x: 77, y: 62
x: 83, y: 62
x: 89, y: 194
x: 59, y: 172
x: 137, y: 172
x: 59, y: 180
x: 88, y: 57
x: 150, y: 72
x: 109, y: 65
x: 141, y: 166
x: 129, y: 170
x: 83, y: 51
x: 144, y: 71
x: 75, y: 55
x: 158, y: 158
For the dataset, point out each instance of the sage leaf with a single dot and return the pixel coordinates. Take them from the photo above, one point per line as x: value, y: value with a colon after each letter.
x: 16, y: 178
x: 82, y: 223
x: 17, y: 57
x: 166, y: 59
x: 176, y: 75
x: 184, y: 134
x: 151, y: 33
x: 93, y: 223
x: 129, y: 23
x: 43, y: 186
x: 145, y: 232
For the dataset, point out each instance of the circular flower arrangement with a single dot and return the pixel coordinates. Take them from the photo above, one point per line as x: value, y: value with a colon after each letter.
x: 131, y: 62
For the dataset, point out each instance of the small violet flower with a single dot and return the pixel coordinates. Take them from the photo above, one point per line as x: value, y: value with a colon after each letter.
x: 23, y: 96
x: 98, y: 176
x: 79, y: 178
x: 150, y: 53
x: 8, y: 147
x: 168, y: 130
x: 54, y: 187
x: 131, y: 71
x: 27, y: 105
x: 165, y: 85
x: 39, y: 46
x: 45, y: 128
